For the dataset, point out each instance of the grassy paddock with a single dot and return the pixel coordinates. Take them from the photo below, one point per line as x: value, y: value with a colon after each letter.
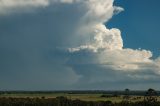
x: 83, y: 97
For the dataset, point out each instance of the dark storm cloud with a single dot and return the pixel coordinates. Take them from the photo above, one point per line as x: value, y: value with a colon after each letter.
x: 65, y: 45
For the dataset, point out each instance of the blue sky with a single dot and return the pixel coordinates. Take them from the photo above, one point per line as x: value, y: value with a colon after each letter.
x: 64, y: 44
x: 139, y: 24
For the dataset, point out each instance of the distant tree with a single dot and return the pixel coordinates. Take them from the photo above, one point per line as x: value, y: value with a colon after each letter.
x: 151, y: 96
x: 126, y: 97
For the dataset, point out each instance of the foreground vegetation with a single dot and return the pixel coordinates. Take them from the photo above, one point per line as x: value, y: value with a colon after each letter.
x: 78, y: 98
x: 62, y: 101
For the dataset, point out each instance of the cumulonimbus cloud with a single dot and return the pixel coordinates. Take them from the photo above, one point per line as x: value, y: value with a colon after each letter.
x: 108, y: 42
x: 90, y: 53
x: 105, y: 47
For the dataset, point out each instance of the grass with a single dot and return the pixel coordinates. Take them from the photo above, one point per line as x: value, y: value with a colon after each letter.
x: 84, y: 97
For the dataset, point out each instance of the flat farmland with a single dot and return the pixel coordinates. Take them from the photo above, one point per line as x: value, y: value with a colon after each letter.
x: 83, y: 97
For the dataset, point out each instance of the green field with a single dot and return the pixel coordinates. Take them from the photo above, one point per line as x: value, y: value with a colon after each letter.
x: 113, y: 96
x: 84, y: 97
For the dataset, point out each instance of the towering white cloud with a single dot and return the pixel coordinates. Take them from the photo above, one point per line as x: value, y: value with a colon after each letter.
x: 105, y: 47
x: 108, y: 43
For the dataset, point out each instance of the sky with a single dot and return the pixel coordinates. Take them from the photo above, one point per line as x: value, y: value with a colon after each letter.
x: 79, y: 44
x: 139, y: 24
